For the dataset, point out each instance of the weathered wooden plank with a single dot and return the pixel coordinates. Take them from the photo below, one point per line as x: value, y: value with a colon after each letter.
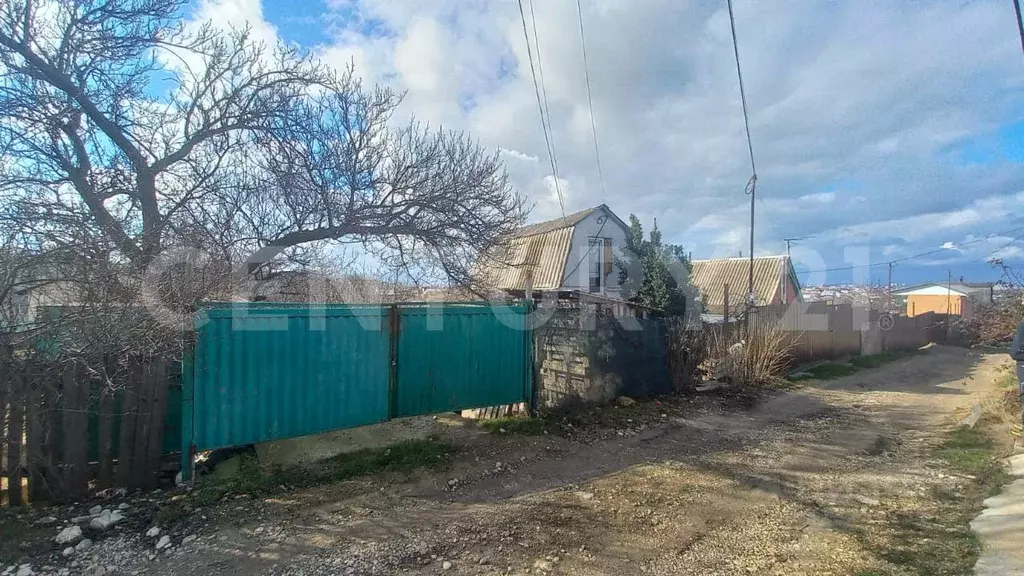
x: 158, y: 376
x: 5, y: 388
x: 143, y: 425
x: 15, y: 431
x: 6, y: 368
x: 76, y: 446
x: 105, y: 430
x: 54, y: 478
x: 34, y: 435
x: 105, y: 437
x: 129, y: 416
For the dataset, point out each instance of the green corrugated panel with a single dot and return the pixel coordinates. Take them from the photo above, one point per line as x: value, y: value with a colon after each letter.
x: 452, y: 358
x: 268, y: 373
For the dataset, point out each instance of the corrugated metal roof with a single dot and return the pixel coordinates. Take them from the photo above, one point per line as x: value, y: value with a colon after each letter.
x: 544, y: 254
x: 711, y: 276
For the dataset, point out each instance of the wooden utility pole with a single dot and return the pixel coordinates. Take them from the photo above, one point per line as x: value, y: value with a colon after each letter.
x: 949, y: 288
x: 750, y: 271
x: 789, y: 242
x: 891, y: 264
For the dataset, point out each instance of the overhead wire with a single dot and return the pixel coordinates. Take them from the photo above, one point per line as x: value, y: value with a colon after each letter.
x: 590, y: 99
x: 915, y: 256
x: 1004, y: 246
x: 1020, y: 22
x: 743, y: 100
x: 545, y: 123
x: 751, y: 187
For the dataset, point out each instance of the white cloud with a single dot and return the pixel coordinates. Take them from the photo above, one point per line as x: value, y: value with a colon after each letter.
x: 947, y: 245
x: 842, y: 98
x: 819, y: 197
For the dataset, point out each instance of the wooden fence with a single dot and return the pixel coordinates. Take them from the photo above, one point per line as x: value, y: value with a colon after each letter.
x: 71, y: 428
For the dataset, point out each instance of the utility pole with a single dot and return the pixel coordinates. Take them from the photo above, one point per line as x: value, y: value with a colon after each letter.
x: 891, y: 264
x: 750, y: 272
x: 789, y: 242
x: 949, y: 287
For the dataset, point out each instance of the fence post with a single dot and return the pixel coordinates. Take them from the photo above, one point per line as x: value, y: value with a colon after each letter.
x: 157, y: 373
x: 187, y: 415
x: 394, y: 326
x: 76, y: 445
x: 6, y: 378
x: 725, y: 314
x: 105, y: 431
x: 129, y: 420
x: 15, y: 427
x: 34, y: 432
x: 531, y: 367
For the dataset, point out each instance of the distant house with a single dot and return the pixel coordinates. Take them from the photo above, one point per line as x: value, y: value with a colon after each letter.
x: 571, y: 254
x: 775, y: 282
x: 938, y: 298
x: 977, y: 292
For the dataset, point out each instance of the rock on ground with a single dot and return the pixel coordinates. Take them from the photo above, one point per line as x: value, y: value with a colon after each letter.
x: 105, y: 520
x: 69, y: 535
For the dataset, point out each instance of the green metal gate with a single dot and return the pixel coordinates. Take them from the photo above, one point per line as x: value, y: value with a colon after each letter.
x: 264, y: 372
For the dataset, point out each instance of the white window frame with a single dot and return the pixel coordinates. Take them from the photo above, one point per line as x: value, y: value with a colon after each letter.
x: 602, y: 273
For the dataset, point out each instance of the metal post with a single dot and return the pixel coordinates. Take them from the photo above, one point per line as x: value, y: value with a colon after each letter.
x: 890, y: 285
x: 394, y: 325
x: 725, y: 313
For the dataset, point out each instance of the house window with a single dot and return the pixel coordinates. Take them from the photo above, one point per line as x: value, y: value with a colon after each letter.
x: 599, y: 255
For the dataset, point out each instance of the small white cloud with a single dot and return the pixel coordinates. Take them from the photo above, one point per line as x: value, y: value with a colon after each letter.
x: 948, y: 245
x: 508, y: 153
x: 820, y: 197
x: 959, y: 218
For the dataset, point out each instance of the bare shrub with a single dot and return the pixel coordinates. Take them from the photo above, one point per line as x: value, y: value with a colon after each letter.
x: 994, y: 323
x: 758, y: 357
x: 690, y: 346
x: 766, y: 355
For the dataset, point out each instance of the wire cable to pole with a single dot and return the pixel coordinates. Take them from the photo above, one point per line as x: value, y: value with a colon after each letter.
x: 540, y: 108
x: 590, y: 99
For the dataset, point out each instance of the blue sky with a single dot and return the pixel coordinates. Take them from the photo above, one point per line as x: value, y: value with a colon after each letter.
x: 882, y: 130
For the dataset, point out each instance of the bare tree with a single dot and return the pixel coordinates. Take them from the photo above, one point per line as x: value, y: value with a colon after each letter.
x: 123, y: 134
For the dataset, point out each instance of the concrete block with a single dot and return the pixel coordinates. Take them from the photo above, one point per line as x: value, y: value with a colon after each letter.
x: 310, y: 449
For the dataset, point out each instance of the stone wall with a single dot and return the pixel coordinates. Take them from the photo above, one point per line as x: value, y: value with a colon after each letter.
x: 585, y: 358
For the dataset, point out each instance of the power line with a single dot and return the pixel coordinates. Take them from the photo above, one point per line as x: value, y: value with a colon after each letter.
x: 1020, y: 22
x: 590, y: 99
x: 743, y: 94
x: 543, y: 85
x: 915, y: 256
x: 540, y: 107
x: 752, y: 183
x: 1004, y: 246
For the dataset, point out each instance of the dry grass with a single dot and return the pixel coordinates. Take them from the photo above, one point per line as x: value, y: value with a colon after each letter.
x: 768, y: 354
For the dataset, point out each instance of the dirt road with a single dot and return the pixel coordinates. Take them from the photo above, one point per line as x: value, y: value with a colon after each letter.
x: 803, y: 482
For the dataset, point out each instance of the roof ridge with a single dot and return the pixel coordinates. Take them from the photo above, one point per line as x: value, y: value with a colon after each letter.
x: 567, y: 221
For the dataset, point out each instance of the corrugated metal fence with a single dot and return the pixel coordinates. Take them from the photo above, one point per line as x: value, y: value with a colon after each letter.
x: 263, y: 373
